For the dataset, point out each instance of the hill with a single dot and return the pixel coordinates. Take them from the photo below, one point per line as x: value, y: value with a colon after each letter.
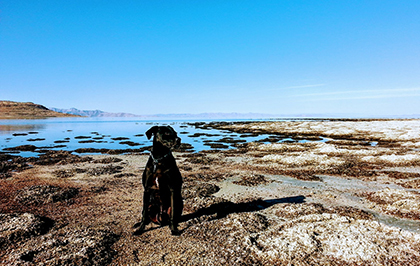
x: 27, y: 110
x: 99, y: 113
x: 93, y: 113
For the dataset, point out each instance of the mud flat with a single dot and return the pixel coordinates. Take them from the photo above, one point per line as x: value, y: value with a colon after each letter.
x: 352, y: 200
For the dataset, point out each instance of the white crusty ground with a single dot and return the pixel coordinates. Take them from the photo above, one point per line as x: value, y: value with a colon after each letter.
x: 340, y: 237
x: 319, y: 154
x: 399, y: 130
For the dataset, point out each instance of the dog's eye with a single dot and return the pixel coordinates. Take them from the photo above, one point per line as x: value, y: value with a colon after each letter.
x: 166, y: 135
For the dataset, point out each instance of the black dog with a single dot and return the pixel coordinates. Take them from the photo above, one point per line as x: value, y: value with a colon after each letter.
x: 162, y: 182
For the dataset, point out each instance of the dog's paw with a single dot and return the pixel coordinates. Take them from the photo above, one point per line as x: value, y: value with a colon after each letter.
x: 175, y: 232
x: 139, y: 224
x: 138, y: 232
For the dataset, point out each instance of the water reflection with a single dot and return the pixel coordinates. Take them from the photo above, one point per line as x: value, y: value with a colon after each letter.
x: 23, y: 129
x: 115, y: 133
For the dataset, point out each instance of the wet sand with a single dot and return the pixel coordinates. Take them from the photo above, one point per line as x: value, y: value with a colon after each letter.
x: 352, y: 200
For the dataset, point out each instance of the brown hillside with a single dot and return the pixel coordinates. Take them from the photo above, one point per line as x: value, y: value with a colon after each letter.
x: 28, y: 110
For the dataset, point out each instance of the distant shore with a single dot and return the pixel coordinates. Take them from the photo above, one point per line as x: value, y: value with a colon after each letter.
x: 27, y: 110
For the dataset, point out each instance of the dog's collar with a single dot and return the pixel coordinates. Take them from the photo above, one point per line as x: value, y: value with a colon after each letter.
x: 156, y: 161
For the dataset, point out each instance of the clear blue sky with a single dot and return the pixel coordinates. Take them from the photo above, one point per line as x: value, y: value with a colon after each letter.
x: 148, y: 57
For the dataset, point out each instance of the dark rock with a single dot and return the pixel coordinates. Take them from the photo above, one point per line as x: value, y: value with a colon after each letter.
x: 105, y: 170
x: 120, y: 138
x: 19, y: 134
x: 59, y: 157
x: 184, y: 147
x: 68, y: 172
x: 198, y: 189
x: 42, y: 194
x: 108, y: 160
x: 217, y: 145
x: 22, y: 148
x: 73, y: 246
x: 124, y: 175
x: 130, y: 143
x: 18, y: 227
x: 61, y: 141
x: 37, y: 139
x: 252, y: 180
x: 9, y: 163
x: 82, y: 137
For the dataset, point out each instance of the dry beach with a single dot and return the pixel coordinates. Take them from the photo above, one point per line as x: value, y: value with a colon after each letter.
x: 351, y: 199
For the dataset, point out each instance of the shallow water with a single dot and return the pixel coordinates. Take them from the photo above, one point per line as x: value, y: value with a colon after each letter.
x: 409, y: 225
x: 107, y: 133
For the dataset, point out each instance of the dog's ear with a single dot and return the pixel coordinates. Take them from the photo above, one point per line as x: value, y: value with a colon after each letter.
x: 171, y: 128
x: 153, y: 130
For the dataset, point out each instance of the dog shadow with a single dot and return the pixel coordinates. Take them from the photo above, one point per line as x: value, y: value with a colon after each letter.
x: 223, y: 209
x: 220, y: 210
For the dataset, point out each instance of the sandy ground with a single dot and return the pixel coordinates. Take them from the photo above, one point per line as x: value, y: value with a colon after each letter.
x: 351, y: 200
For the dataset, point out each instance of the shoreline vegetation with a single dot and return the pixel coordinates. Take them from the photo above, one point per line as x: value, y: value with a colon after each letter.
x: 353, y: 199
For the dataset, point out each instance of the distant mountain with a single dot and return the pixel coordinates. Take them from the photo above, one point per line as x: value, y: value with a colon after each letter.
x: 207, y: 116
x: 27, y: 110
x: 99, y: 113
x: 93, y: 113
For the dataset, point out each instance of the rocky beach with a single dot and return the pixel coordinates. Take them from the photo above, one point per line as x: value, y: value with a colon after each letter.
x: 347, y: 195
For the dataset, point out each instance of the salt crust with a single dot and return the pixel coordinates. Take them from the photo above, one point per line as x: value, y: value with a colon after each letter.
x: 396, y: 200
x: 298, y: 159
x: 401, y: 130
x: 18, y: 222
x: 338, y: 236
x: 328, y: 154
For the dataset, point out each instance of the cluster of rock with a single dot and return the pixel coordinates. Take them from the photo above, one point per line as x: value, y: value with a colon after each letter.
x: 40, y: 245
x: 29, y: 238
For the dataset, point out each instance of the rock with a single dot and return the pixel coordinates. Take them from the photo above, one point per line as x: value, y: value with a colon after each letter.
x: 22, y: 148
x: 70, y: 246
x: 9, y: 163
x: 58, y: 157
x: 105, y: 170
x: 42, y: 194
x: 66, y: 173
x: 330, y: 239
x: 198, y: 189
x: 108, y: 160
x: 18, y: 227
x: 397, y: 202
x: 252, y: 180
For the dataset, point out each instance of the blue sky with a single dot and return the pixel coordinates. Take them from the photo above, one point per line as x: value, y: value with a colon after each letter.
x: 148, y: 57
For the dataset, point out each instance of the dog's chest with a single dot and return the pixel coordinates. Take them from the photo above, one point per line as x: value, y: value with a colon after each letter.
x: 159, y: 180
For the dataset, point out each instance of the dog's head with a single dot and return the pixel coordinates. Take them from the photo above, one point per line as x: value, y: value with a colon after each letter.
x: 165, y: 135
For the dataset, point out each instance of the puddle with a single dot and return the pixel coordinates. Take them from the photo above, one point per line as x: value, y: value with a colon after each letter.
x: 409, y: 225
x: 296, y: 182
x: 345, y: 189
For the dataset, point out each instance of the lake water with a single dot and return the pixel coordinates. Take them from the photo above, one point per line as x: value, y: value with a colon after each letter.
x: 109, y: 133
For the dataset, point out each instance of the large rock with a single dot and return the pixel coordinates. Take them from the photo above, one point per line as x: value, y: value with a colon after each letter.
x: 42, y: 194
x: 18, y: 227
x: 70, y: 246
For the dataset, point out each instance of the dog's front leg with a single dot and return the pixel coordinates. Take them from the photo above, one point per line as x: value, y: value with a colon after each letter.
x: 174, y: 219
x: 145, y: 213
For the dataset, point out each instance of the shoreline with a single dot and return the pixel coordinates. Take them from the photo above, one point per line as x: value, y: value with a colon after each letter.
x: 263, y: 203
